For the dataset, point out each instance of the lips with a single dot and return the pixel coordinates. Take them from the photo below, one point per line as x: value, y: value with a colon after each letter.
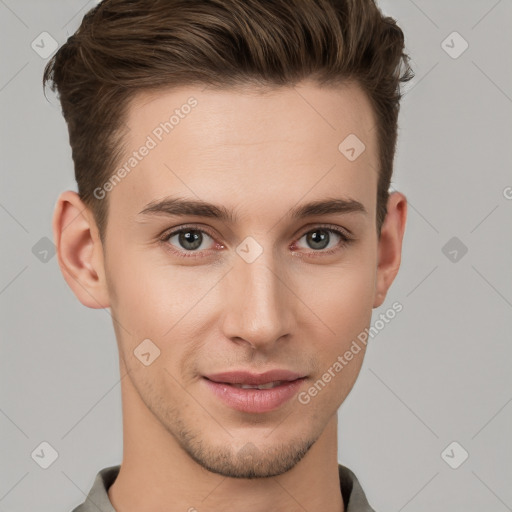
x: 255, y: 392
x: 247, y: 380
x: 253, y: 398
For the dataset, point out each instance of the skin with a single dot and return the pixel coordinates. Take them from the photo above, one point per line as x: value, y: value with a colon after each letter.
x: 294, y: 307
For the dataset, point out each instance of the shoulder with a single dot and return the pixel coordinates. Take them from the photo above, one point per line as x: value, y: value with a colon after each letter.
x: 97, y: 498
x: 353, y: 495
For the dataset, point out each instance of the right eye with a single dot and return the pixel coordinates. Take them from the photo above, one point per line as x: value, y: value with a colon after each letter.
x: 187, y: 240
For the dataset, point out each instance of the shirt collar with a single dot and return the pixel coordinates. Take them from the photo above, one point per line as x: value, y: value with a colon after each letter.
x: 97, y: 500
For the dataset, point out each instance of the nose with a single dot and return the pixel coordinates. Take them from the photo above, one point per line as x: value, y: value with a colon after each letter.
x: 259, y: 304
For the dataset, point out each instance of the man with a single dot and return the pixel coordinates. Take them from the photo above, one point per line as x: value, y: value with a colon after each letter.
x: 233, y: 161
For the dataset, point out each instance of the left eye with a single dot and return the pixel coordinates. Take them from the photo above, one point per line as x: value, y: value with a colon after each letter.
x: 319, y: 238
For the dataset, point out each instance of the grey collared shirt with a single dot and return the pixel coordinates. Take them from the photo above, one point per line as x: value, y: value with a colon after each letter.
x: 97, y: 500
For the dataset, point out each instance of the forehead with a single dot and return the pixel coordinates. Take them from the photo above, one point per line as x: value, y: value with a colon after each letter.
x: 247, y: 113
x: 248, y: 144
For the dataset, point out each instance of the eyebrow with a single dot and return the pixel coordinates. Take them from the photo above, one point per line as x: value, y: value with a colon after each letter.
x: 178, y: 206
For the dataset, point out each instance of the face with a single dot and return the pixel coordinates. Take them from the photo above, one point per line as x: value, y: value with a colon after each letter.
x: 270, y: 285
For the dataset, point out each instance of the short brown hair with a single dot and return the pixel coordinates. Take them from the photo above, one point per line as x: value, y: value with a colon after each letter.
x: 123, y: 47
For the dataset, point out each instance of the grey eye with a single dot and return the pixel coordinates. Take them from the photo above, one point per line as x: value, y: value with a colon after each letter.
x: 189, y: 239
x: 319, y: 238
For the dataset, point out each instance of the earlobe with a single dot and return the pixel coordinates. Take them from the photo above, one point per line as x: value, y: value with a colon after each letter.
x: 390, y: 245
x: 79, y: 250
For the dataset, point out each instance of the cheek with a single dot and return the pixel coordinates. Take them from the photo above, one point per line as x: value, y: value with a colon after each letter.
x: 345, y: 311
x: 343, y: 297
x: 141, y: 297
x: 153, y: 300
x: 355, y: 293
x: 345, y: 308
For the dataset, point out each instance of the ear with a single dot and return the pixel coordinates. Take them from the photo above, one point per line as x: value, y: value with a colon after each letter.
x: 390, y: 245
x: 79, y: 250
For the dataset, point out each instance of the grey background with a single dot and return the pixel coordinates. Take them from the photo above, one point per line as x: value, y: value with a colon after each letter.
x: 438, y: 373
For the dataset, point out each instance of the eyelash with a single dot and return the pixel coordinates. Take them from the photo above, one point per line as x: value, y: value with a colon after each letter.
x: 345, y: 240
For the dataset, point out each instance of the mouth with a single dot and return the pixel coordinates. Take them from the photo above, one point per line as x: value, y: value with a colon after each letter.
x: 254, y: 393
x: 266, y: 385
x: 269, y: 385
x: 269, y: 378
